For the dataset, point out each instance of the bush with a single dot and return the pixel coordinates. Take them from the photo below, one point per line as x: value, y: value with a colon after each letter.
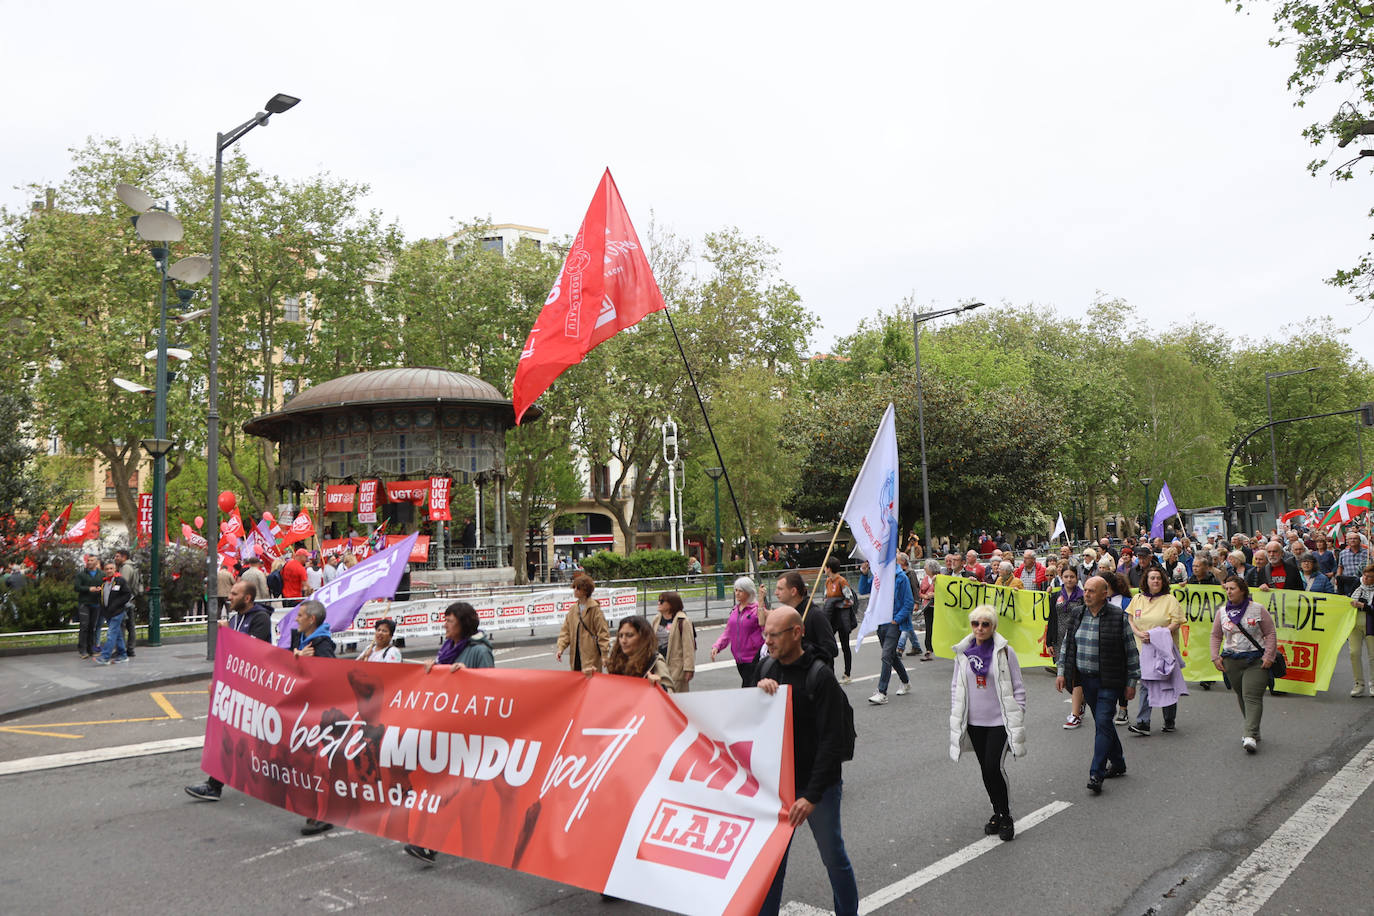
x: 650, y: 564
x: 605, y: 566
x: 46, y: 605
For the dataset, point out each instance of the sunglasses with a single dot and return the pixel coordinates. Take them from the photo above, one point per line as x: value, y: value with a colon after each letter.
x: 979, y: 624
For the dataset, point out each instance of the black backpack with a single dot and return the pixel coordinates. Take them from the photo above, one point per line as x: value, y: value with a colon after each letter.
x: 813, y: 675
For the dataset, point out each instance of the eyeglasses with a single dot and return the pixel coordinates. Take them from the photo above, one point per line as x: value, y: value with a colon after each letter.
x: 979, y: 624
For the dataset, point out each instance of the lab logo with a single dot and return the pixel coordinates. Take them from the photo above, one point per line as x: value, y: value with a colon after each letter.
x: 694, y: 839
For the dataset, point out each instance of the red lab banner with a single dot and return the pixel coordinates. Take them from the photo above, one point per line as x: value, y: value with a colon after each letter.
x: 407, y: 491
x: 419, y: 552
x: 438, y: 499
x: 603, y: 782
x: 605, y: 286
x: 367, y: 501
x: 339, y: 498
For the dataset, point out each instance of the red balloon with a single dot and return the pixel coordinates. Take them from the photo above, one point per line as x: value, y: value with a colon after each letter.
x: 269, y: 516
x: 227, y: 501
x: 200, y: 522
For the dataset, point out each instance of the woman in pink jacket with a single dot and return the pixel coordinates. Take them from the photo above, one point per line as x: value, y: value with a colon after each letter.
x: 743, y: 634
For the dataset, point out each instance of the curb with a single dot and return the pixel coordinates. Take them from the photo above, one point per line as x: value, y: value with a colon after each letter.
x: 100, y: 693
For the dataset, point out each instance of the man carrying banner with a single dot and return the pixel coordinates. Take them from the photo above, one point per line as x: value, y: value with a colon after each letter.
x: 819, y: 744
x: 1099, y: 654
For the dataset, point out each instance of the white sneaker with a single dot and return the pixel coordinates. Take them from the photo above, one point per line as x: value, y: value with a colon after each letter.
x: 1249, y: 744
x: 878, y: 699
x: 903, y: 690
x: 1358, y: 690
x: 846, y: 679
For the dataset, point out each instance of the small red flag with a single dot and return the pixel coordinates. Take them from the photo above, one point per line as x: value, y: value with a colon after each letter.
x: 605, y: 286
x: 88, y: 529
x: 301, y: 528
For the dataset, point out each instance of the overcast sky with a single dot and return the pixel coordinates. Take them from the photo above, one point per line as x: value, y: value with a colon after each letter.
x: 1013, y: 152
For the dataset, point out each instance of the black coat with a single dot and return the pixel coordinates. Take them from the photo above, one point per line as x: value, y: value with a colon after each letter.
x: 115, y: 601
x: 256, y: 622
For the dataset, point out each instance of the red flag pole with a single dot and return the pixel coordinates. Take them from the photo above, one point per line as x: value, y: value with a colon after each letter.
x: 725, y: 473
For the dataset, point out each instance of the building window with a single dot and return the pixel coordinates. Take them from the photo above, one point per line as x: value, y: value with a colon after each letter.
x: 291, y: 309
x: 110, y: 484
x: 494, y: 243
x: 601, y: 481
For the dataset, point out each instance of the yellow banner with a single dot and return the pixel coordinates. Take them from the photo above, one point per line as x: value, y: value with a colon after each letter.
x: 1312, y: 626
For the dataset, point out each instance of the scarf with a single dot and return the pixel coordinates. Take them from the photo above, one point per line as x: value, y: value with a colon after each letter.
x: 1236, y: 612
x: 450, y: 650
x: 980, y: 656
x: 1067, y: 597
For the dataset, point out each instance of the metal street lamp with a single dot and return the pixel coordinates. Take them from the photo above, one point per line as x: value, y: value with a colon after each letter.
x: 157, y: 226
x: 1269, y: 403
x: 1145, y: 514
x: 715, y: 474
x: 275, y: 105
x: 917, y: 318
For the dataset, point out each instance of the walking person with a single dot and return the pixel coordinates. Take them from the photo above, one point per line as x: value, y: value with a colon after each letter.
x: 839, y: 610
x: 1243, y: 648
x: 247, y: 615
x: 988, y: 711
x: 819, y: 750
x: 908, y: 638
x: 584, y: 629
x: 743, y: 633
x: 927, y: 603
x: 1068, y: 600
x: 1099, y: 654
x: 1154, y: 613
x: 677, y: 640
x: 1362, y: 634
x: 888, y: 633
x: 87, y: 585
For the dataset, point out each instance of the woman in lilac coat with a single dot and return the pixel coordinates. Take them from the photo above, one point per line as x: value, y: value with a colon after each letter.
x: 743, y: 634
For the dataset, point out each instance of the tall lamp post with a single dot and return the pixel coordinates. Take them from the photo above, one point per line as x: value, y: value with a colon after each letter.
x: 1145, y: 513
x: 714, y: 474
x: 275, y: 105
x: 917, y: 318
x: 1269, y: 404
x: 160, y: 228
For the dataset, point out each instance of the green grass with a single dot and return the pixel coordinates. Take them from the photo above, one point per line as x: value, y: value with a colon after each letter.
x: 68, y: 638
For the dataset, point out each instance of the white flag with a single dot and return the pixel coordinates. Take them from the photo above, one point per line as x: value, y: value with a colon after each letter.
x: 1059, y: 528
x: 871, y: 514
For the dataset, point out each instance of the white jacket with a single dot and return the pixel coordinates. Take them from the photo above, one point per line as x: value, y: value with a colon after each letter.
x: 1013, y: 716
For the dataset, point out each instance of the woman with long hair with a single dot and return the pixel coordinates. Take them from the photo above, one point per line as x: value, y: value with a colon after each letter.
x: 634, y: 653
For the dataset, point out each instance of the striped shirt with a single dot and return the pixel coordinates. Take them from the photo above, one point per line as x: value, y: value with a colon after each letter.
x: 1353, y: 562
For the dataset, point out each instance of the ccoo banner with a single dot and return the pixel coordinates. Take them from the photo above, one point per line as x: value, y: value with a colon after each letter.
x: 1312, y: 626
x: 603, y: 782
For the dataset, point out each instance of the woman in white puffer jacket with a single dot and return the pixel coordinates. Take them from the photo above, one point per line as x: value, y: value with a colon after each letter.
x: 988, y: 710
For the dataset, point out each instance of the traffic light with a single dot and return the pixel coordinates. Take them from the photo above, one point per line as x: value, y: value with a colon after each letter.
x: 1367, y: 413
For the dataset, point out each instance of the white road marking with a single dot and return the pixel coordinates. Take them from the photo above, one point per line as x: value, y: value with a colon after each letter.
x: 899, y: 889
x: 1248, y: 887
x: 100, y: 755
x: 296, y: 844
x: 526, y: 658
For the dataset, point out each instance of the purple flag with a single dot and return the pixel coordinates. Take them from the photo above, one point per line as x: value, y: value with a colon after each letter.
x: 375, y: 577
x: 1165, y: 508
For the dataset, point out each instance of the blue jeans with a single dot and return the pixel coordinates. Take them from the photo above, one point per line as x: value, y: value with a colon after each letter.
x: 908, y: 636
x: 114, y: 637
x: 1101, y: 702
x: 825, y: 827
x: 888, y: 635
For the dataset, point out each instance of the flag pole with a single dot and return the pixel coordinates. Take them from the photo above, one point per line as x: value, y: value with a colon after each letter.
x: 820, y: 572
x: 739, y: 516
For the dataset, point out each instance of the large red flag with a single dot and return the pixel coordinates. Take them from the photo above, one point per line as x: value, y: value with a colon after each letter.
x: 88, y: 529
x: 605, y: 286
x: 301, y: 528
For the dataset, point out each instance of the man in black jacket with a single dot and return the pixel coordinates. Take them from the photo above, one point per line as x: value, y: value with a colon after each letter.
x: 1282, y: 571
x: 1099, y: 654
x: 818, y: 740
x: 87, y: 587
x: 246, y: 616
x: 820, y: 638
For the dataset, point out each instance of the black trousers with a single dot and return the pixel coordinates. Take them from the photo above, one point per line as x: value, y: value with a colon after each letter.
x: 746, y: 673
x: 990, y: 747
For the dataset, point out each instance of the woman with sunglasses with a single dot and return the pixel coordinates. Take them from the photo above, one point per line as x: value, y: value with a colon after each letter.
x: 988, y: 710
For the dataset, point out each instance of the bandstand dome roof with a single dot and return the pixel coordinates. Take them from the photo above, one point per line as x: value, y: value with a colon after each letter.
x: 417, y: 385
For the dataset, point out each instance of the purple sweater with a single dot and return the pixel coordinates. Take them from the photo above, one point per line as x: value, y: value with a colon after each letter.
x: 743, y: 635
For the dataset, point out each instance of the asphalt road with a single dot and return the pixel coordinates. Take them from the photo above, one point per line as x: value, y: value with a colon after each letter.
x: 121, y: 836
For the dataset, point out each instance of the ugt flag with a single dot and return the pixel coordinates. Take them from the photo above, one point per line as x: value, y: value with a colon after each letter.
x: 871, y: 514
x: 1165, y: 508
x: 375, y: 577
x: 604, y: 287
